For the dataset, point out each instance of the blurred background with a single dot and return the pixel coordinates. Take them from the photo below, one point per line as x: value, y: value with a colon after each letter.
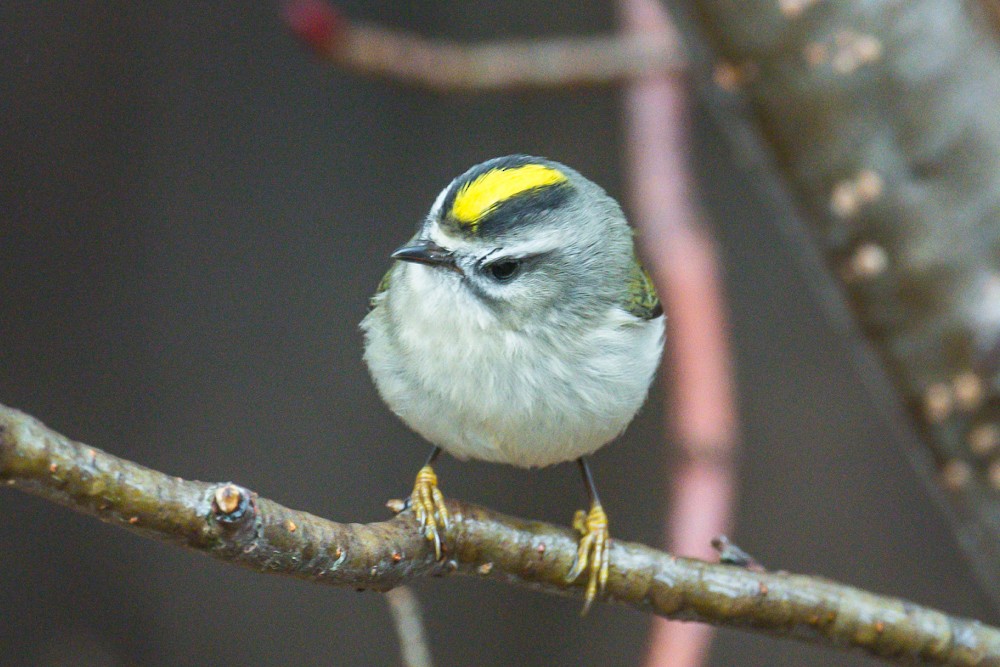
x: 193, y: 214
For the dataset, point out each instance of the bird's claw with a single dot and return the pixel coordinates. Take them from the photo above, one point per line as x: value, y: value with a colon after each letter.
x: 428, y: 506
x: 593, y: 552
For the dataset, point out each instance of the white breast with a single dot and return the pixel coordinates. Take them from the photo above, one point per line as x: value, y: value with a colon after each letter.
x: 480, y: 391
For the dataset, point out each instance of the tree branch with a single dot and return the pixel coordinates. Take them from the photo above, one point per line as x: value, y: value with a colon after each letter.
x: 684, y: 260
x: 877, y: 117
x: 374, y: 50
x: 236, y: 525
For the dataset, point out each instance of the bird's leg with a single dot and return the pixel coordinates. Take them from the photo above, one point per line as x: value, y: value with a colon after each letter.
x: 593, y: 552
x: 428, y: 503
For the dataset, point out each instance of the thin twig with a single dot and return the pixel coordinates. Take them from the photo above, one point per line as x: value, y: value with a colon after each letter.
x: 405, y: 608
x: 378, y: 51
x: 235, y: 525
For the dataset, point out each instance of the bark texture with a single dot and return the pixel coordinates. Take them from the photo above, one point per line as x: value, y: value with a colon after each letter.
x: 881, y: 117
x: 236, y: 525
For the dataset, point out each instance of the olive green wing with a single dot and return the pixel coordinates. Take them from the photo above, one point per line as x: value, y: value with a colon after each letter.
x: 641, y: 299
x: 383, y: 285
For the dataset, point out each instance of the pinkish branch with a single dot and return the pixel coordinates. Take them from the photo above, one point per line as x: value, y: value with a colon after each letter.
x: 684, y: 262
x: 373, y: 50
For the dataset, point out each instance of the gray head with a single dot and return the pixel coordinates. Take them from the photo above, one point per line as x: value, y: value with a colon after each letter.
x: 530, y: 238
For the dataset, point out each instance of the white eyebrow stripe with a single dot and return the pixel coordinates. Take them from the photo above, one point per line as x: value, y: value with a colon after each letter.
x: 439, y: 201
x: 490, y: 254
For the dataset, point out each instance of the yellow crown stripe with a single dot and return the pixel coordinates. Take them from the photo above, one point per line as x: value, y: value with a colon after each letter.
x: 484, y: 193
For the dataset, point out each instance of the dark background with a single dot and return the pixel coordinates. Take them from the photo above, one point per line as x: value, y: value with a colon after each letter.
x: 193, y: 213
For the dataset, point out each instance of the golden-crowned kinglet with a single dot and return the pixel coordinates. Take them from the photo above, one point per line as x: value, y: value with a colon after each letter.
x: 518, y: 327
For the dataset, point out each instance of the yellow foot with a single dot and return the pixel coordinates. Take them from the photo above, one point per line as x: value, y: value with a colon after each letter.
x: 593, y: 553
x: 428, y: 505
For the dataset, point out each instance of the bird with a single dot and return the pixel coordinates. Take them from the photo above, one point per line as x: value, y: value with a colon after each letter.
x: 517, y: 326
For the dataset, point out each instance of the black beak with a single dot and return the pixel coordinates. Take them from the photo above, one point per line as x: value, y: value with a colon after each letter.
x: 427, y: 252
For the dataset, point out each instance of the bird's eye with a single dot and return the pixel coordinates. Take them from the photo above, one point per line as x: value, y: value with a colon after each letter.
x: 504, y: 270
